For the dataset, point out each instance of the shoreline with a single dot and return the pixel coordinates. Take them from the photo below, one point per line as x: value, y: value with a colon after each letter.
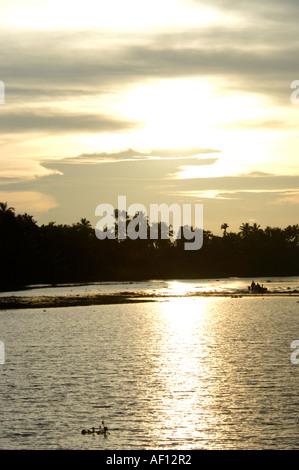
x: 14, y: 302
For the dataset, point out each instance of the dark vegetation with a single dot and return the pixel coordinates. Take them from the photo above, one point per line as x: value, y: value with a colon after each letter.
x: 32, y: 254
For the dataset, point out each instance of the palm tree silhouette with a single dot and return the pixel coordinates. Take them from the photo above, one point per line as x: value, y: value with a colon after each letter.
x: 5, y: 209
x: 245, y: 229
x: 224, y: 227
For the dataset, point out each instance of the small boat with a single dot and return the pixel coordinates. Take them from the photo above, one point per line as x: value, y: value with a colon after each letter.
x: 94, y: 431
x: 256, y: 288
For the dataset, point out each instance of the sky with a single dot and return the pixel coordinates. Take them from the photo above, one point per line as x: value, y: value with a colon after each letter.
x: 163, y: 101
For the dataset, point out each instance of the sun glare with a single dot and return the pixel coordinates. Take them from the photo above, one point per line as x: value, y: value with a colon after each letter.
x: 180, y: 288
x: 113, y: 15
x: 173, y: 111
x: 183, y: 112
x: 183, y: 367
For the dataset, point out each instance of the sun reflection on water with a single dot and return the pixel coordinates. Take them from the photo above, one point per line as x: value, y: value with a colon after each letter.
x: 181, y: 288
x: 177, y: 288
x: 182, y: 369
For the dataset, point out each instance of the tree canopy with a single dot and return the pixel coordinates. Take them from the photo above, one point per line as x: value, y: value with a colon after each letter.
x: 33, y: 254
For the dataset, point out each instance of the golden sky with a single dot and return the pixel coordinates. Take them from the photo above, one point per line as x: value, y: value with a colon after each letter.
x: 162, y: 101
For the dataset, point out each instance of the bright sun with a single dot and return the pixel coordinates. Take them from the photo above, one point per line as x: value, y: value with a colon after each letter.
x: 183, y: 112
x: 110, y: 15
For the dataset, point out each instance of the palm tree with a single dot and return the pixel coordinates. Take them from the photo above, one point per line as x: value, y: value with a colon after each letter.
x: 5, y: 209
x: 255, y: 227
x: 84, y: 223
x: 245, y: 229
x: 224, y: 227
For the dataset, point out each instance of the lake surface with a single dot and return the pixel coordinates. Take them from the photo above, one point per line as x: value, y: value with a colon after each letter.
x: 178, y: 373
x: 161, y: 288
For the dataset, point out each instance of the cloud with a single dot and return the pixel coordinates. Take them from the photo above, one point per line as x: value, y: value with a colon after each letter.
x: 283, y: 195
x: 16, y: 169
x: 135, y: 155
x: 242, y: 186
x: 79, y: 188
x: 262, y: 125
x: 126, y: 168
x: 51, y: 64
x: 28, y: 201
x: 268, y: 11
x: 45, y: 120
x: 131, y: 172
x: 289, y: 197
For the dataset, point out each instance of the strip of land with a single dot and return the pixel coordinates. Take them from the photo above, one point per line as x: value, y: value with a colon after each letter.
x: 14, y: 302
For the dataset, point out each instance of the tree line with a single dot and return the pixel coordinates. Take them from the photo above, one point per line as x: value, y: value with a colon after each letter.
x: 59, y: 253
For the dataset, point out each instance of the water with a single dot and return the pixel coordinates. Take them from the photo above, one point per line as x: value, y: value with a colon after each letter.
x: 161, y: 288
x: 179, y: 373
